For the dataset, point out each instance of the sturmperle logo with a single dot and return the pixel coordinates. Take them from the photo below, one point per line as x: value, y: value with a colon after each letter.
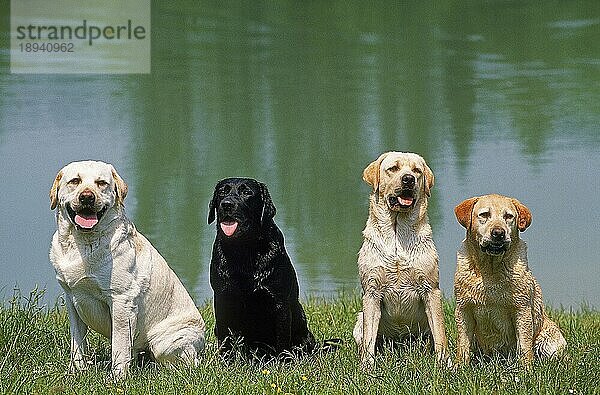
x: 80, y: 36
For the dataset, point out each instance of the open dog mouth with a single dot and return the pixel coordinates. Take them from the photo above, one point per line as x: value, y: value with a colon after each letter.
x: 494, y: 248
x: 86, y: 218
x: 228, y: 226
x: 404, y: 200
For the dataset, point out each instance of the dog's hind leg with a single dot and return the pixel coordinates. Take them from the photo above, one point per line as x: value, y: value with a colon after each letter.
x: 181, y: 346
x: 302, y: 338
x: 550, y: 341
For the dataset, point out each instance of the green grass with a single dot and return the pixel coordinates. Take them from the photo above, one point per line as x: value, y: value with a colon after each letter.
x: 34, y: 358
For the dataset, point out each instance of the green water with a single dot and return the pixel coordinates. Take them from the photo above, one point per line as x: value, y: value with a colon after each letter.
x: 498, y: 96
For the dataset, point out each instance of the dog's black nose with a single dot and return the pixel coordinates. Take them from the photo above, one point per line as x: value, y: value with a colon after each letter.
x: 87, y: 198
x: 498, y: 234
x: 408, y: 180
x: 227, y: 205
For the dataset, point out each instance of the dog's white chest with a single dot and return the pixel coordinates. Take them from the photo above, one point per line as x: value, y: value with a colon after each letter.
x: 86, y: 262
x: 72, y: 273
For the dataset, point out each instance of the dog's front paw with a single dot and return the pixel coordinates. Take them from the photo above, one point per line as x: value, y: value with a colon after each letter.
x: 462, y: 360
x: 444, y: 358
x: 526, y: 361
x: 367, y: 363
x: 119, y: 371
x: 78, y: 365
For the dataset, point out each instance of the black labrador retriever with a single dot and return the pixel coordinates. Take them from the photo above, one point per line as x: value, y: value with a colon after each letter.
x: 254, y: 283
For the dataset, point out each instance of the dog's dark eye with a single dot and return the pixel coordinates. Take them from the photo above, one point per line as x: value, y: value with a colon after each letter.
x: 245, y: 190
x: 74, y: 181
x: 508, y: 216
x: 225, y: 190
x: 416, y: 170
x: 101, y: 183
x: 393, y: 169
x: 484, y: 215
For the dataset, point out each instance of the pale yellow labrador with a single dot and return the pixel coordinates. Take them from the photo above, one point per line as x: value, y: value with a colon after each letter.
x: 115, y: 282
x: 499, y: 306
x: 398, y: 261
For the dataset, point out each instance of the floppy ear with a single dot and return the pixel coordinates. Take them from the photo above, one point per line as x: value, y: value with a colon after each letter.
x: 120, y: 186
x: 464, y: 212
x: 371, y: 173
x: 524, y: 215
x: 268, y: 209
x: 428, y: 182
x: 54, y: 191
x: 212, y: 206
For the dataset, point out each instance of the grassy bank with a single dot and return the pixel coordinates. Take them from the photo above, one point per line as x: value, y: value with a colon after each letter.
x: 34, y: 358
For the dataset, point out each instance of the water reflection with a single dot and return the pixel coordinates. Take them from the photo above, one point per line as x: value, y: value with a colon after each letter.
x: 497, y: 98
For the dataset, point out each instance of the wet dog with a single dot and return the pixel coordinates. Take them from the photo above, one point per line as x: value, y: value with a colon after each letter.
x: 115, y: 282
x: 398, y: 261
x: 499, y: 306
x: 254, y: 283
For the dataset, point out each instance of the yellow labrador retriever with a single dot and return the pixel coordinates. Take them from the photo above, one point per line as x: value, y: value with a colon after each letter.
x: 115, y: 282
x: 499, y: 305
x: 398, y: 261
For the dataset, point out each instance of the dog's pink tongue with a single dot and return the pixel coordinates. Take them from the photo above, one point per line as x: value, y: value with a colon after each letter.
x: 86, y: 221
x: 406, y: 201
x: 229, y: 227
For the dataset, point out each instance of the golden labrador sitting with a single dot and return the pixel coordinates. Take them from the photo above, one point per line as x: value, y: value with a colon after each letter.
x: 398, y: 261
x: 114, y: 280
x: 499, y: 305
